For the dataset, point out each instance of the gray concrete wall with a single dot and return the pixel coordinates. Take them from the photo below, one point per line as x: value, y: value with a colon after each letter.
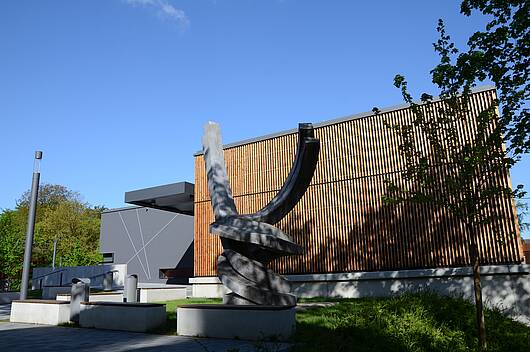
x: 506, y: 287
x: 8, y: 297
x: 63, y: 276
x: 147, y: 240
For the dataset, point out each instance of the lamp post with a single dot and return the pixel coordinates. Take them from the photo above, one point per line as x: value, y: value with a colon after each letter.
x: 31, y: 225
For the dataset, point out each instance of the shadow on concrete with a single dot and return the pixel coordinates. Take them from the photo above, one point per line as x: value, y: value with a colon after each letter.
x: 23, y: 337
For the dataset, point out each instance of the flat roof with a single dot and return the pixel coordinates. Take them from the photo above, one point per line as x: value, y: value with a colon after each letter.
x: 174, y: 197
x: 336, y: 120
x: 112, y: 210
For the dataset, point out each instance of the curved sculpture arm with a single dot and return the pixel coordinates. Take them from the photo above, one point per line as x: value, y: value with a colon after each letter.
x: 299, y: 178
x: 218, y: 185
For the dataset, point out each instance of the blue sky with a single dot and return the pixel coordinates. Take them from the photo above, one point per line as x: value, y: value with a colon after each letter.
x: 116, y: 92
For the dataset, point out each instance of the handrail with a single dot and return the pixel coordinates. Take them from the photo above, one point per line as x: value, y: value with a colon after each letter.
x: 64, y: 269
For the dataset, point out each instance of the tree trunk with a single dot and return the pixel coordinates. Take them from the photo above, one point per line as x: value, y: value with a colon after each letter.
x: 479, y: 307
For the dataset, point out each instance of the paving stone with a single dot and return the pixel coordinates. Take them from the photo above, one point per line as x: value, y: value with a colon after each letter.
x: 32, y: 338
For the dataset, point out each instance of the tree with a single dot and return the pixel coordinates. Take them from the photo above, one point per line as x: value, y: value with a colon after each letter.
x: 11, y: 249
x: 522, y: 213
x: 457, y: 173
x: 61, y: 216
x: 501, y: 53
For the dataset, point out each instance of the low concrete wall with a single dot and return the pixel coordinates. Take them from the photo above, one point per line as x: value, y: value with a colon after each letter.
x: 506, y: 287
x: 138, y: 317
x: 207, y: 287
x: 96, y: 297
x: 8, y: 297
x: 51, y: 292
x: 45, y: 312
x: 158, y: 294
x: 64, y: 277
x: 236, y: 322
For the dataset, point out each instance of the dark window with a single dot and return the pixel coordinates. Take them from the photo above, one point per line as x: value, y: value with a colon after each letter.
x: 108, y: 258
x: 175, y: 273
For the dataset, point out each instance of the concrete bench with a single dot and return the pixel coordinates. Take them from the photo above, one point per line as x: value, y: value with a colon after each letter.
x: 138, y: 317
x: 116, y: 296
x: 157, y: 294
x: 245, y: 322
x: 40, y: 311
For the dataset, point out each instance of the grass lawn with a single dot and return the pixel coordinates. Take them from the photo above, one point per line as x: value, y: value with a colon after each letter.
x: 420, y: 322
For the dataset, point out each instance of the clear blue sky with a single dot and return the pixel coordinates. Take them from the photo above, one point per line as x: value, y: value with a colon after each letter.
x: 116, y: 92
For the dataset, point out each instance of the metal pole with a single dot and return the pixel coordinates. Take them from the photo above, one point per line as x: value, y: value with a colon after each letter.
x: 54, y: 253
x: 31, y: 225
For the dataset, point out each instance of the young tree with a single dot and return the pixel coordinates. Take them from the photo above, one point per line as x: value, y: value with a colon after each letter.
x: 457, y: 172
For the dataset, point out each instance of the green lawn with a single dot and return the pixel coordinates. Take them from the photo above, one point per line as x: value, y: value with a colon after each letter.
x: 420, y: 322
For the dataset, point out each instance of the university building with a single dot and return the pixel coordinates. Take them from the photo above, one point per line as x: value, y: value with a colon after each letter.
x: 355, y: 244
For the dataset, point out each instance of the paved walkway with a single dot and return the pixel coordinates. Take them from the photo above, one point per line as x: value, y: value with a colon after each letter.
x: 33, y: 338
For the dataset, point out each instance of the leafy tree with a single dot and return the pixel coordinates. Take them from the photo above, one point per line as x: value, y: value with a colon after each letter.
x: 11, y: 249
x: 456, y: 173
x: 501, y: 53
x: 61, y: 216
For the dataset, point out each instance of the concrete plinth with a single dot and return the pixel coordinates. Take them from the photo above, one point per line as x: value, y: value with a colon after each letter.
x: 158, y: 294
x: 96, y: 297
x: 36, y: 311
x: 138, y: 317
x: 233, y: 321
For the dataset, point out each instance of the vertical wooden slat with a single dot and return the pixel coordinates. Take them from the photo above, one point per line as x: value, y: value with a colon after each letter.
x: 341, y: 220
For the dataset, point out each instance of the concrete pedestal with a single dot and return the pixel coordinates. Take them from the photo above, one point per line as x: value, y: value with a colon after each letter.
x: 37, y: 311
x: 110, y: 296
x: 159, y: 294
x: 137, y: 317
x: 236, y: 322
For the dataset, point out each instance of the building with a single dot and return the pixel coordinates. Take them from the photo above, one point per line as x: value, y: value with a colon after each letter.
x: 341, y: 220
x: 526, y: 250
x: 154, y: 237
x: 356, y: 245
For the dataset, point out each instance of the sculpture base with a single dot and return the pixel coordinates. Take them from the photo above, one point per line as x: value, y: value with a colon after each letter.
x: 246, y: 322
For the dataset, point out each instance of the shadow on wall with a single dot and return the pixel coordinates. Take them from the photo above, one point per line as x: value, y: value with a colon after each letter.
x: 183, y: 271
x: 433, y: 251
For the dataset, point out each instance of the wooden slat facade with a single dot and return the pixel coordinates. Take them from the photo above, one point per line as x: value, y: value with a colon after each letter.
x: 341, y: 220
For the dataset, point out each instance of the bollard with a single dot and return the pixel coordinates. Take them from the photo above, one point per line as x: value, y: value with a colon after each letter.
x: 80, y: 292
x: 107, y: 281
x: 132, y: 288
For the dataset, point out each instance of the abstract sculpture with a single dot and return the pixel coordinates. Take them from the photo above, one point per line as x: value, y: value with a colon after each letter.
x: 251, y: 241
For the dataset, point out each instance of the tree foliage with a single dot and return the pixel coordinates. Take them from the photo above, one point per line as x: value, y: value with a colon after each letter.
x: 61, y: 216
x: 458, y: 172
x: 501, y: 53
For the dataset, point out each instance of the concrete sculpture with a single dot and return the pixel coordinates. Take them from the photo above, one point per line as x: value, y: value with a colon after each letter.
x: 251, y: 241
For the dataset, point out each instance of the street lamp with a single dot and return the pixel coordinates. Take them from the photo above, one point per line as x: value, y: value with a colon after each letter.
x: 31, y: 225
